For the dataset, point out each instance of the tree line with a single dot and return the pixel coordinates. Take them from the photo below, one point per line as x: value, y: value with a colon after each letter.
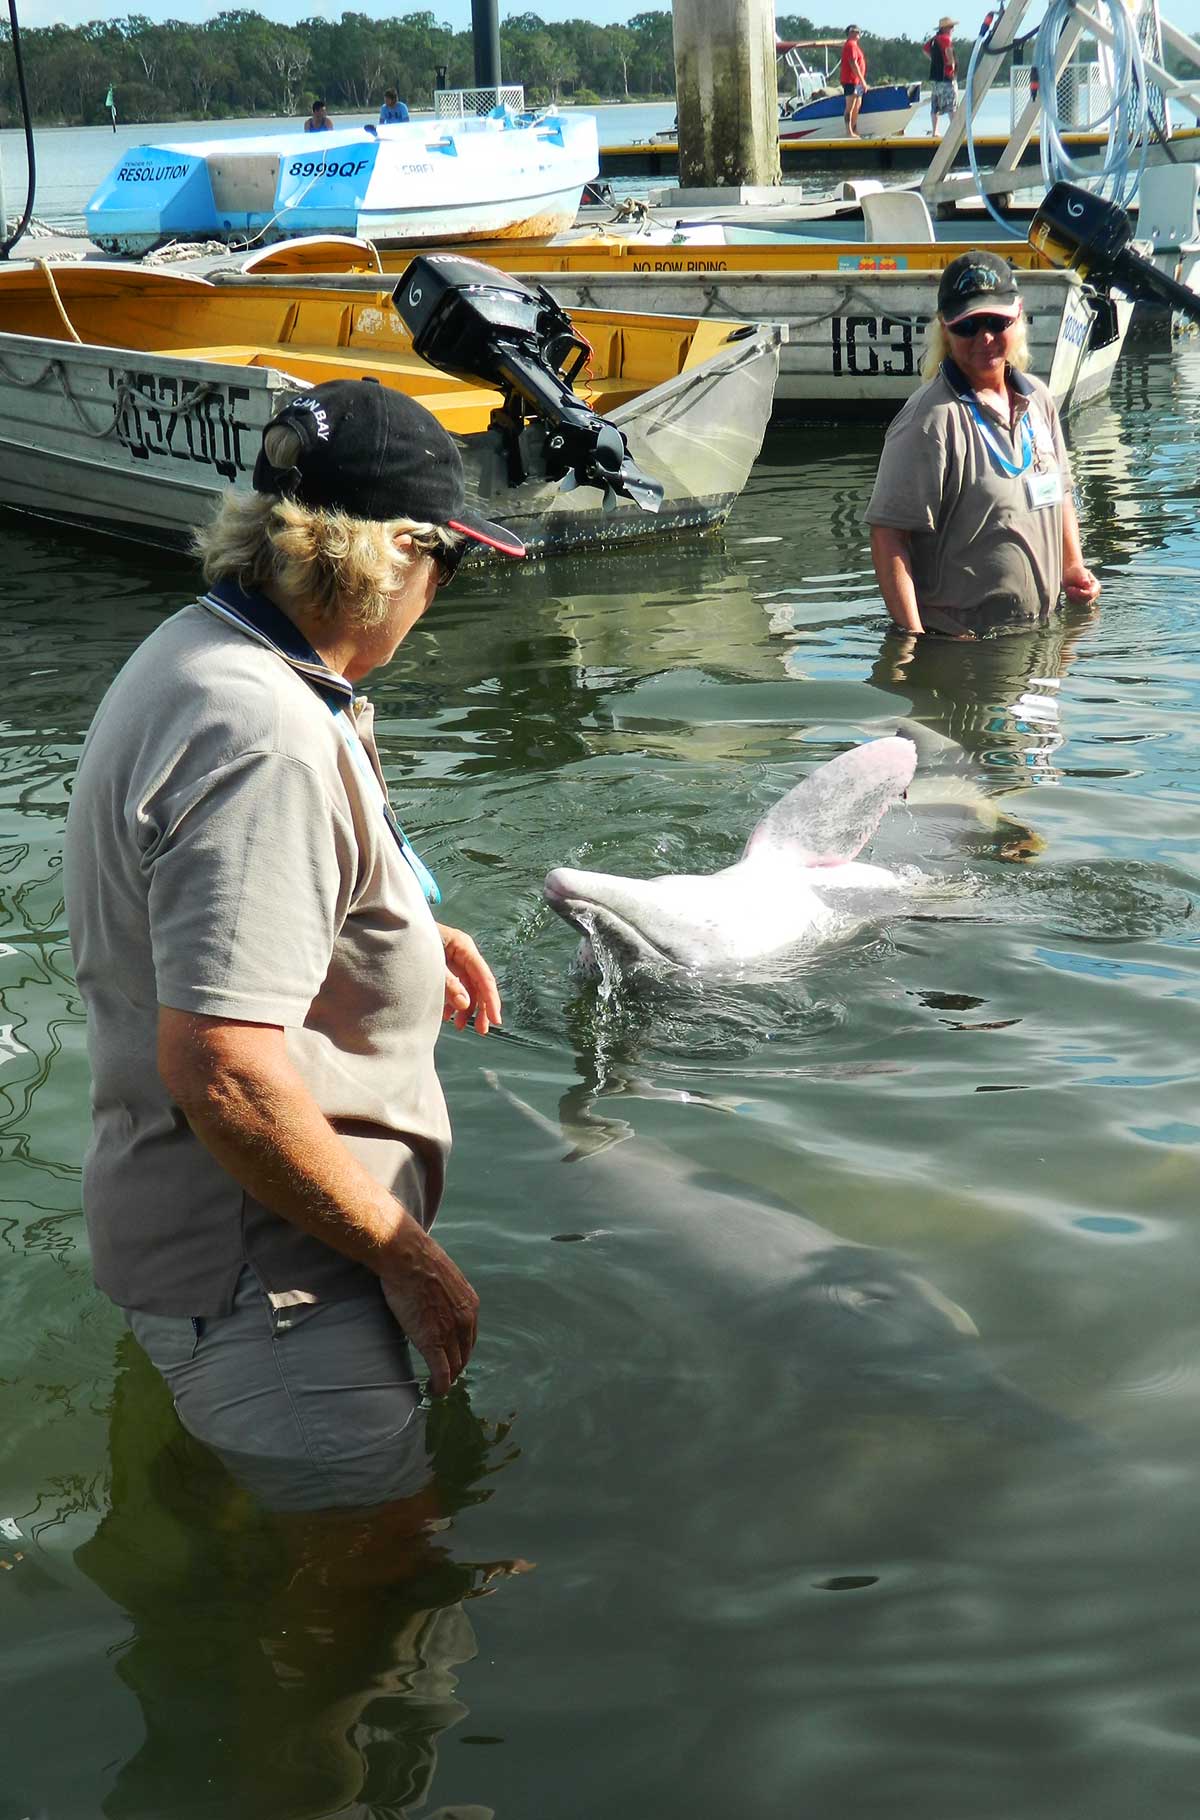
x: 240, y: 64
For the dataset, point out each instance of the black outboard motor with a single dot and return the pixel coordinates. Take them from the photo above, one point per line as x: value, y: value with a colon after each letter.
x: 1085, y: 234
x: 477, y: 323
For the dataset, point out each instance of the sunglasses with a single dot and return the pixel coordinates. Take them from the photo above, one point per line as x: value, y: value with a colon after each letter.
x: 448, y: 561
x: 983, y: 323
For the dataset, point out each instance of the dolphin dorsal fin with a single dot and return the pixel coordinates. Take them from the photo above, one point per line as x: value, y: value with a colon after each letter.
x: 830, y: 817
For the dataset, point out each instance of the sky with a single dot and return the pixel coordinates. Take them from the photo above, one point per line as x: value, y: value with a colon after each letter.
x: 888, y: 16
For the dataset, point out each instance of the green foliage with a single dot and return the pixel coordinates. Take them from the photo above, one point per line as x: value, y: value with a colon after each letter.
x: 240, y: 63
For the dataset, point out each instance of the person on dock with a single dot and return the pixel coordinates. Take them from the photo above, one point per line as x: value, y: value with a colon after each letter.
x: 973, y: 527
x: 943, y: 72
x: 318, y: 121
x: 393, y: 112
x: 262, y: 972
x: 854, y: 80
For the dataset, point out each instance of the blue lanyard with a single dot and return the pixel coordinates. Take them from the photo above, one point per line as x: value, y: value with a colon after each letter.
x: 366, y: 770
x: 260, y: 617
x: 989, y: 436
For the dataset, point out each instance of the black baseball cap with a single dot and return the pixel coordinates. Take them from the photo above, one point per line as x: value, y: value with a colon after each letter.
x: 975, y: 282
x: 376, y: 453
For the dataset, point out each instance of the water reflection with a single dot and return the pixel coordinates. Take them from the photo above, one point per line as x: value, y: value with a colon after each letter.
x: 286, y: 1665
x: 996, y: 698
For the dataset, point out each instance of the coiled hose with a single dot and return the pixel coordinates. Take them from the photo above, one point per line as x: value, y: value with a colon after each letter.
x: 1126, y: 121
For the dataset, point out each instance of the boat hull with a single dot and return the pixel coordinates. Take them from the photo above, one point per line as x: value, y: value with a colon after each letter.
x: 418, y: 182
x: 855, y: 319
x: 854, y: 340
x: 885, y: 113
x: 141, y: 445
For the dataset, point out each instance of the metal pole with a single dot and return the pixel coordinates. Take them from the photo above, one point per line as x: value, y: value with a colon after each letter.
x: 485, y: 29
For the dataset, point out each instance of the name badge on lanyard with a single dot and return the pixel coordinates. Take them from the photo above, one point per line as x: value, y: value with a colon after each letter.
x: 1043, y: 490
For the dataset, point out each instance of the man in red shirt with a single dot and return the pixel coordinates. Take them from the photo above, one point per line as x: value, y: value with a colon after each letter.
x: 854, y: 80
x: 943, y: 96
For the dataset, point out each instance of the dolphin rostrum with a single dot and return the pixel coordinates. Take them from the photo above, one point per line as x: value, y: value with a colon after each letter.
x: 786, y: 890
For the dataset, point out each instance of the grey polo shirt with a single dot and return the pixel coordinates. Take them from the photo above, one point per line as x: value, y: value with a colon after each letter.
x: 226, y: 855
x: 982, y: 557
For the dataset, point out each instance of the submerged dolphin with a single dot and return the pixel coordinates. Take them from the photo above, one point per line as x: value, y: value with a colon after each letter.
x: 792, y: 885
x: 845, y: 1323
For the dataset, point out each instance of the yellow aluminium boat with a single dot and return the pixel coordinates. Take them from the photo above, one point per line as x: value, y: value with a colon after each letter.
x: 855, y: 313
x: 129, y: 398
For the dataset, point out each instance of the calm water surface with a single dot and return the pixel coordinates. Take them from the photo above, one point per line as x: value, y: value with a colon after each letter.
x: 747, y: 1586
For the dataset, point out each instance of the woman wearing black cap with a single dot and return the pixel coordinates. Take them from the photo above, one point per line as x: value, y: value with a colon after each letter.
x: 263, y: 974
x: 973, y: 526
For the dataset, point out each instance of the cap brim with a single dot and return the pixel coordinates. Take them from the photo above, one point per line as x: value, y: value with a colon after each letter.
x: 987, y: 306
x: 483, y: 531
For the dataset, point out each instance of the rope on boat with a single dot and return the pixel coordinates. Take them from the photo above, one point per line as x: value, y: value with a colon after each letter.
x: 851, y: 300
x: 127, y: 393
x: 68, y: 325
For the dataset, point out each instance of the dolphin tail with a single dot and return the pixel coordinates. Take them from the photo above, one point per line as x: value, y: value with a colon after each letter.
x: 832, y: 814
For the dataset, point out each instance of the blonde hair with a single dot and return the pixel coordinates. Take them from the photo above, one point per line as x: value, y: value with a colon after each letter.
x: 938, y: 346
x: 335, y: 567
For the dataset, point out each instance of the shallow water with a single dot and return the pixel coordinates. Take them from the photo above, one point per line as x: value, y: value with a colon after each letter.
x: 782, y: 1556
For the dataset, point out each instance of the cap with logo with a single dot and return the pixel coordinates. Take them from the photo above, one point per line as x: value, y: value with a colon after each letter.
x: 976, y: 282
x: 377, y: 454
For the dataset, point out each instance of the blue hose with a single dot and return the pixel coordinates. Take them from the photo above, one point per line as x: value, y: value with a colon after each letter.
x: 1127, y: 120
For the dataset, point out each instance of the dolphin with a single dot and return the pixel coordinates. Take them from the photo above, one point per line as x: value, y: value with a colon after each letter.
x: 794, y: 885
x: 835, y: 1323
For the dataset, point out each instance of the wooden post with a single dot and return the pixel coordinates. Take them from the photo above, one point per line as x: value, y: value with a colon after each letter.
x: 726, y: 93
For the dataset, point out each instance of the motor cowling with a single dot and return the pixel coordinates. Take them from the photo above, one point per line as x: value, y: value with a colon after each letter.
x: 1083, y: 233
x: 475, y: 322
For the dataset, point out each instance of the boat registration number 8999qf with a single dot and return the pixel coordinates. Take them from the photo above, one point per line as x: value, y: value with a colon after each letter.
x: 320, y: 167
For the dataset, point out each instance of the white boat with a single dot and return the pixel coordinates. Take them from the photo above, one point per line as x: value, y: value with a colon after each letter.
x: 421, y: 182
x: 816, y: 108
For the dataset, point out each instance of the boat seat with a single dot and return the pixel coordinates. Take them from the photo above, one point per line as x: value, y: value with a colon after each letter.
x: 606, y: 394
x: 223, y: 354
x: 897, y: 215
x: 319, y: 362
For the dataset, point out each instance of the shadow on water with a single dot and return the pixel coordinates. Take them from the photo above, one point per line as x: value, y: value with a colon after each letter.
x: 292, y: 1664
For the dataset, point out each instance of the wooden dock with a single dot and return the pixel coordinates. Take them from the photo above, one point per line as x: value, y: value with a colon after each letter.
x: 910, y: 152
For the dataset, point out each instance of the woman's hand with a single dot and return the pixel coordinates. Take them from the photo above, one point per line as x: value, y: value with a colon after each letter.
x: 472, y: 995
x: 433, y: 1302
x: 1079, y: 584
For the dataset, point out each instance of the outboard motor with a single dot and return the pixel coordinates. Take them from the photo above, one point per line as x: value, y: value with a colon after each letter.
x: 477, y: 323
x: 1088, y: 235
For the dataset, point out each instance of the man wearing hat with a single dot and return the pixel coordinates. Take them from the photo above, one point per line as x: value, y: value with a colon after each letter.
x: 973, y: 526
x: 943, y: 96
x: 263, y: 975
